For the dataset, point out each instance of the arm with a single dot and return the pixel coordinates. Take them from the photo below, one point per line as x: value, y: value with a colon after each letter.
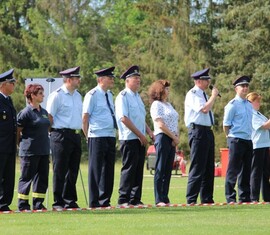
x: 85, y: 124
x: 51, y: 120
x: 128, y: 123
x: 150, y: 132
x: 209, y: 104
x: 19, y: 131
x: 226, y: 130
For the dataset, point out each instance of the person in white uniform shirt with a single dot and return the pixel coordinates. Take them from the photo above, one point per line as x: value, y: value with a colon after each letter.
x: 65, y: 112
x: 165, y: 119
x: 199, y: 119
x: 99, y: 127
x: 260, y: 166
x: 130, y: 117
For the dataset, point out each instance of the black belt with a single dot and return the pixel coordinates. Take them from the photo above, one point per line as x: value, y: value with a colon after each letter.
x: 196, y: 126
x: 66, y: 130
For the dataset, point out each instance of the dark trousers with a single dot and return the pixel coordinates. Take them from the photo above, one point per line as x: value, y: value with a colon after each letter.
x: 165, y: 154
x: 66, y: 157
x: 33, y: 169
x: 133, y: 157
x: 239, y: 168
x: 259, y: 178
x: 101, y: 170
x: 202, y: 165
x: 7, y: 178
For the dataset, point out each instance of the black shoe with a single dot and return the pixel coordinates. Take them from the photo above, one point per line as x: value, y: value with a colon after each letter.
x: 72, y: 205
x: 39, y: 207
x: 24, y: 208
x: 136, y: 203
x: 208, y: 202
x: 5, y: 208
x: 57, y: 207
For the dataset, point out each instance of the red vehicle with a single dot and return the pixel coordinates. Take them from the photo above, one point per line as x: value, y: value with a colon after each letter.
x: 179, y: 163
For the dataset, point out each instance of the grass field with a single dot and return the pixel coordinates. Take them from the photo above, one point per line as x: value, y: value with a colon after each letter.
x: 225, y: 219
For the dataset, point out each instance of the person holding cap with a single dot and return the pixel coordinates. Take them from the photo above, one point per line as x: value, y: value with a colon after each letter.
x: 199, y: 119
x: 65, y: 112
x: 99, y: 125
x: 8, y: 130
x: 130, y: 117
x: 237, y: 125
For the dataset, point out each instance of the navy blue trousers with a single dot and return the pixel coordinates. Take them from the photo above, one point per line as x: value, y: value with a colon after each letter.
x: 7, y: 178
x: 239, y: 169
x: 101, y: 170
x: 260, y: 173
x: 165, y: 154
x: 133, y: 157
x: 33, y: 169
x: 202, y: 165
x: 66, y: 157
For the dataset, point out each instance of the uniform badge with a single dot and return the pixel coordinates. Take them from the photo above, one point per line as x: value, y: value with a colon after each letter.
x: 4, y: 115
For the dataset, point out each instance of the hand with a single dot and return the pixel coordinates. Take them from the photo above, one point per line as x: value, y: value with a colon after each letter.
x: 143, y: 140
x: 175, y: 141
x: 215, y: 92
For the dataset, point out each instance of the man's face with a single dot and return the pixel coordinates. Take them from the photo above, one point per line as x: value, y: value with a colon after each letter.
x: 9, y: 87
x: 107, y: 82
x: 242, y: 90
x: 75, y: 82
x: 202, y: 83
x: 133, y: 82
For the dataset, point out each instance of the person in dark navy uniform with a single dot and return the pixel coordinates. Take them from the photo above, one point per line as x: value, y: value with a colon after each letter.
x: 130, y: 117
x: 8, y: 128
x: 199, y: 119
x: 34, y: 149
x: 65, y: 111
x: 237, y: 125
x: 99, y: 127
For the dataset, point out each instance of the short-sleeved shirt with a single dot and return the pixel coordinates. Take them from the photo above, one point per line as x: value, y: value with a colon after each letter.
x: 238, y: 116
x: 166, y: 112
x: 194, y: 102
x: 35, y: 136
x: 130, y: 105
x: 260, y: 136
x: 100, y: 117
x: 65, y: 108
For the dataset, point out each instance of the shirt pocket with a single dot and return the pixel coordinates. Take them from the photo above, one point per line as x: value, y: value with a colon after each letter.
x: 4, y: 115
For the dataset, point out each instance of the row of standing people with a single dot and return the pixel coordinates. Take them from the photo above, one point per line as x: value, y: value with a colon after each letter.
x: 99, y: 123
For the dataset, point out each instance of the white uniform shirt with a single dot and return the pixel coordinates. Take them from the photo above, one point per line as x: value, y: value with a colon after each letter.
x: 65, y: 108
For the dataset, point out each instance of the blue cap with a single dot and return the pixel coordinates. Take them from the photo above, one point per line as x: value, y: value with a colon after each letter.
x: 242, y: 80
x: 7, y: 76
x: 72, y: 72
x: 202, y: 74
x: 131, y: 71
x: 108, y: 72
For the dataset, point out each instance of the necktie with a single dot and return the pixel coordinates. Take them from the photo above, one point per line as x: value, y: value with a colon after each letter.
x: 210, y: 112
x: 113, y: 116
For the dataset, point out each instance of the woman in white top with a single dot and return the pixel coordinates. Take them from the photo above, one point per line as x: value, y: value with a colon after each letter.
x: 260, y: 166
x: 165, y: 120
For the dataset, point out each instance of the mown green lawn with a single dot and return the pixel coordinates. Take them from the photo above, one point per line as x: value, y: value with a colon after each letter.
x: 225, y: 219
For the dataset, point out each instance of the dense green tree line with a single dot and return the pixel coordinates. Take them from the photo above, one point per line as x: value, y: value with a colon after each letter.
x: 168, y: 39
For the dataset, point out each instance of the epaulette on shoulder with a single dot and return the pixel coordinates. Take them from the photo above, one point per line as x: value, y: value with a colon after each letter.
x: 59, y: 89
x: 193, y: 91
x: 92, y: 92
x: 232, y: 101
x: 123, y: 93
x: 110, y: 92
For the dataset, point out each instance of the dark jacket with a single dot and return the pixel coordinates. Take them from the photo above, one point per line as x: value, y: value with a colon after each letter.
x: 8, y: 126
